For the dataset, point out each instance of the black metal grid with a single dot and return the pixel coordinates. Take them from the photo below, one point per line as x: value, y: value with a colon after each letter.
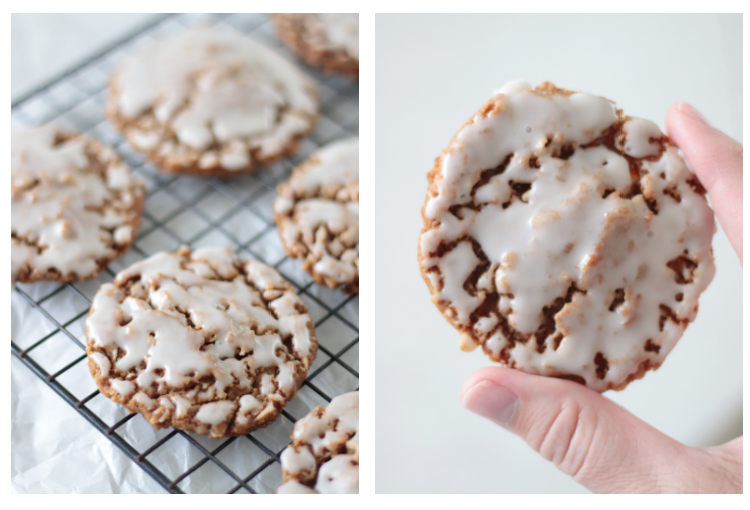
x: 48, y: 332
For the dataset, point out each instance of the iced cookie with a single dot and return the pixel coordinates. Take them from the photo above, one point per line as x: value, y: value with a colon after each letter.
x: 75, y: 206
x: 324, y: 455
x: 565, y: 239
x: 329, y: 42
x: 212, y: 103
x: 317, y: 213
x: 201, y: 341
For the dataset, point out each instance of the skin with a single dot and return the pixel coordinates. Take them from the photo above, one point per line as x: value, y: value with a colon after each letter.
x: 587, y: 436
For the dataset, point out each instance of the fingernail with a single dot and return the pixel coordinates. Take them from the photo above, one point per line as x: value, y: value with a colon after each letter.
x: 491, y: 401
x: 692, y: 112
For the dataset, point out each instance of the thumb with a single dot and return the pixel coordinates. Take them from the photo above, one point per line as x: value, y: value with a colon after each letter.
x: 587, y: 436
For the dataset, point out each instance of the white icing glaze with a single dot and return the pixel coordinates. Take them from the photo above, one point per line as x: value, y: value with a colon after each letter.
x: 123, y: 235
x: 324, y: 191
x: 341, y: 31
x: 102, y: 362
x: 638, y: 136
x: 562, y: 232
x: 339, y: 475
x: 337, y: 165
x: 286, y: 377
x: 512, y: 87
x: 321, y: 432
x: 124, y: 388
x: 55, y: 197
x: 209, y: 86
x: 214, y: 413
x: 267, y: 385
x: 182, y: 405
x: 144, y: 400
x: 298, y: 460
x: 248, y: 405
x: 226, y: 319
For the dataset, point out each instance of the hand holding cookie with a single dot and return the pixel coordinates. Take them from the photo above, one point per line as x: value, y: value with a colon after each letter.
x: 589, y: 437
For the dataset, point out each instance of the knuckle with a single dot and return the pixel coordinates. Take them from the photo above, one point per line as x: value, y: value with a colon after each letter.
x: 568, y: 439
x: 555, y: 441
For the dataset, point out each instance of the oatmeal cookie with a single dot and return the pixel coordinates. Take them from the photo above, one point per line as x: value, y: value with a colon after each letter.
x: 317, y: 213
x: 202, y: 341
x: 212, y: 103
x: 565, y: 239
x: 324, y: 455
x: 75, y: 206
x: 329, y: 42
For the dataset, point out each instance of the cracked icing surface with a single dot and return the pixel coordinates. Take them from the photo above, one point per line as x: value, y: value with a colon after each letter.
x: 212, y: 103
x: 74, y: 206
x: 200, y: 341
x: 324, y: 455
x: 327, y: 41
x: 317, y: 213
x: 565, y: 239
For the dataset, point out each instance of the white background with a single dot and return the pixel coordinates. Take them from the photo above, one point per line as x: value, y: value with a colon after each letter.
x: 432, y: 73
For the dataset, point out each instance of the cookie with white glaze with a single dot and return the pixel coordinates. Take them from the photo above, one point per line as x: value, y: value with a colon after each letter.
x: 212, y: 103
x: 317, y: 214
x: 565, y: 239
x: 75, y: 206
x: 201, y: 341
x: 324, y: 455
x: 329, y: 42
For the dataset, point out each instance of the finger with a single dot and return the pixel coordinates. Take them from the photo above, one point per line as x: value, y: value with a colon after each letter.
x: 716, y: 160
x: 587, y: 436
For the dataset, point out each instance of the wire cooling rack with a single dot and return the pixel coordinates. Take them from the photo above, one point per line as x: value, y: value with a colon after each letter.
x: 48, y: 318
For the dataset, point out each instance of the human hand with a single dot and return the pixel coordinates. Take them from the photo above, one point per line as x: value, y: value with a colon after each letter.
x: 587, y: 436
